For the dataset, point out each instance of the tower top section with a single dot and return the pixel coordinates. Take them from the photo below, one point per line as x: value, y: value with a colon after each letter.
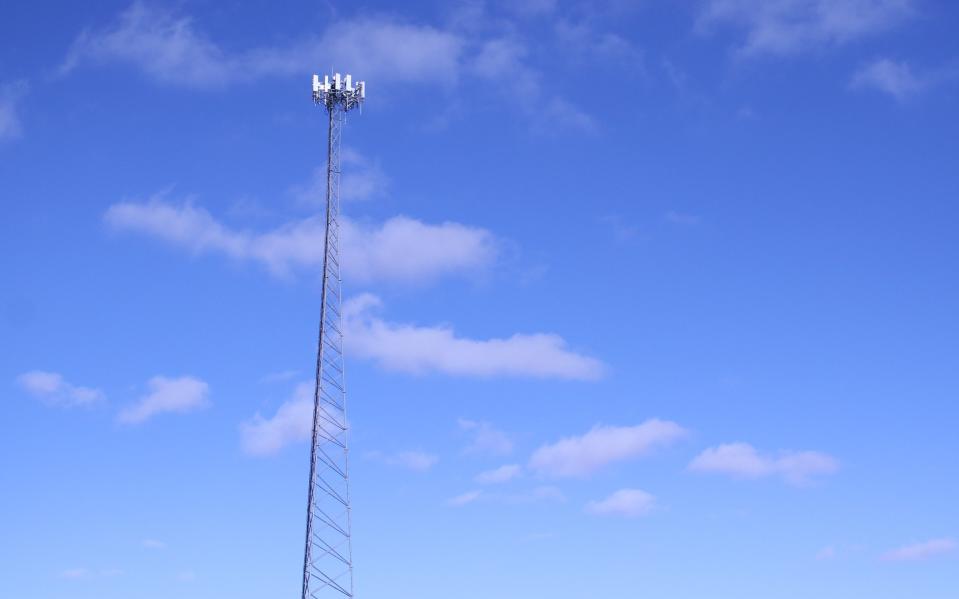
x: 338, y: 91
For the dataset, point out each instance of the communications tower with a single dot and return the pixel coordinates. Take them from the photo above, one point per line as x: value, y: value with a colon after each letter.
x: 327, y: 557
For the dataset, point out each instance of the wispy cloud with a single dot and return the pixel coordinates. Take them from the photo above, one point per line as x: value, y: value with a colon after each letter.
x: 292, y: 423
x: 486, y: 438
x: 11, y: 94
x: 499, y: 475
x: 171, y: 49
x: 622, y: 229
x: 464, y: 499
x: 741, y: 460
x: 361, y: 179
x: 167, y: 395
x: 559, y: 111
x: 153, y: 544
x: 585, y: 42
x: 921, y: 551
x: 778, y: 27
x: 681, y: 218
x: 826, y: 553
x: 536, y: 495
x: 279, y: 376
x: 603, y: 445
x: 504, y: 58
x: 895, y: 78
x: 186, y: 576
x: 75, y: 573
x: 531, y: 8
x: 417, y: 461
x: 400, y: 249
x: 901, y: 80
x: 405, y: 249
x: 52, y: 389
x: 629, y: 503
x: 85, y: 573
x: 417, y: 350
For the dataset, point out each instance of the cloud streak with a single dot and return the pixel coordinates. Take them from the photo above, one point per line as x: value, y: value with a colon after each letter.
x: 52, y: 389
x: 417, y: 461
x: 11, y: 94
x: 419, y: 350
x: 627, y: 503
x: 170, y: 49
x: 921, y: 551
x: 897, y: 78
x: 781, y: 27
x: 603, y: 445
x: 400, y: 249
x: 464, y: 499
x: 167, y: 395
x: 741, y: 460
x: 486, y: 438
x: 504, y: 58
x: 500, y: 475
x: 362, y: 179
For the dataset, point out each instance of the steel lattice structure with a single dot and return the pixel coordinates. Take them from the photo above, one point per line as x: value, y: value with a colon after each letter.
x: 327, y: 559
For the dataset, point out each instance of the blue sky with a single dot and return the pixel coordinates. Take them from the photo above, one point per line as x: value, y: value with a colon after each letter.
x: 646, y: 298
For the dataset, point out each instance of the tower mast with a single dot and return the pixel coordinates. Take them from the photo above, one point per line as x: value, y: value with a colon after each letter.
x: 327, y: 556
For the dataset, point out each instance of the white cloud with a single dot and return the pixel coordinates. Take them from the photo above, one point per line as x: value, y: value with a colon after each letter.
x: 177, y: 395
x: 894, y: 78
x: 170, y: 49
x: 560, y: 112
x: 587, y: 45
x: 417, y: 350
x: 603, y: 445
x: 682, y: 218
x: 400, y: 249
x: 10, y: 96
x: 279, y: 376
x: 921, y: 551
x: 465, y: 498
x: 486, y: 438
x: 504, y: 58
x: 293, y: 422
x: 166, y: 47
x: 541, y: 494
x: 153, y: 544
x: 630, y: 503
x: 52, y: 389
x: 75, y: 573
x: 361, y: 179
x: 417, y: 461
x: 530, y: 8
x: 186, y: 576
x: 383, y: 50
x: 741, y: 460
x: 405, y: 249
x: 86, y: 573
x: 899, y: 80
x: 791, y: 26
x: 826, y: 553
x: 499, y: 475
